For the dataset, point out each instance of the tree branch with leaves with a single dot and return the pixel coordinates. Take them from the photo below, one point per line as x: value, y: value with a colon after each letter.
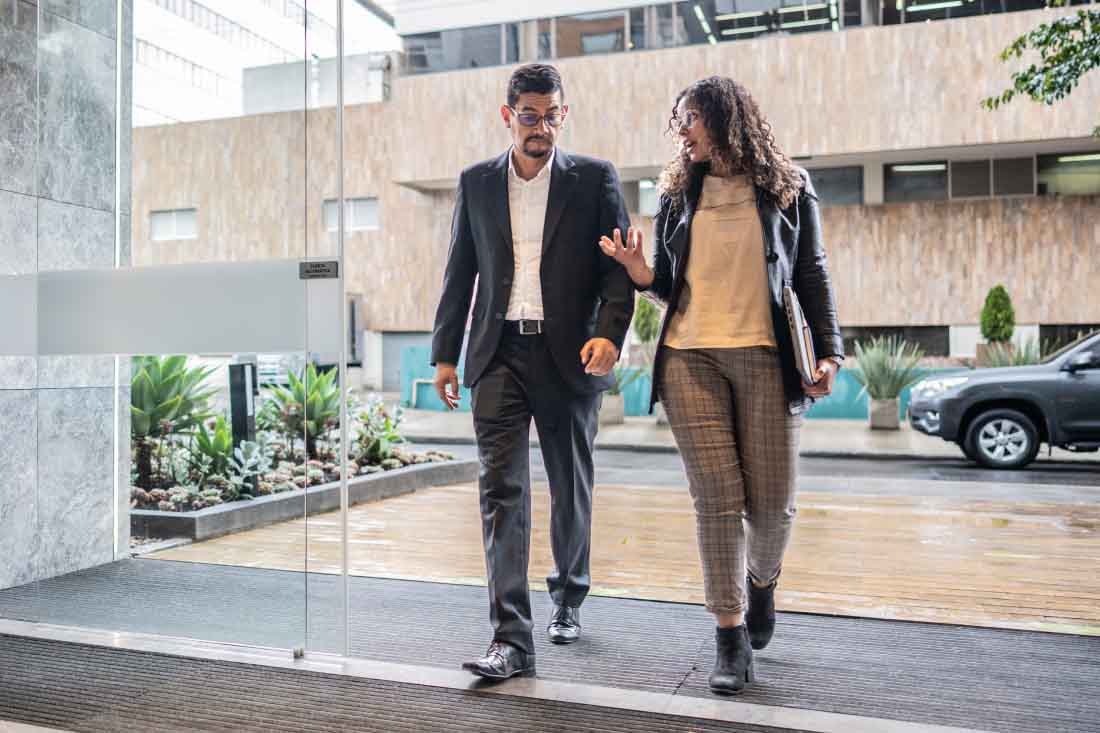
x: 1068, y: 47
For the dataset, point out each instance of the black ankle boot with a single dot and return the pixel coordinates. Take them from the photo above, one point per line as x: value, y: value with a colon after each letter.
x: 760, y: 618
x: 733, y: 668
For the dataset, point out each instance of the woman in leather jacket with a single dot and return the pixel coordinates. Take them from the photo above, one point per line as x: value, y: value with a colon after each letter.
x: 737, y: 223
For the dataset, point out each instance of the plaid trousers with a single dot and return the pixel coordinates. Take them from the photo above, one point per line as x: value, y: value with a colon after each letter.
x: 739, y: 444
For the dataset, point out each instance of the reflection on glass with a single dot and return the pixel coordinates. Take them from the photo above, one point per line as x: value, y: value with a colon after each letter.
x: 838, y: 186
x: 546, y: 39
x: 925, y: 181
x: 591, y: 33
x: 454, y: 49
x: 1069, y: 174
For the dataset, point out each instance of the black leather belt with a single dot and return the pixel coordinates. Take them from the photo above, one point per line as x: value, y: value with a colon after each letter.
x: 526, y: 327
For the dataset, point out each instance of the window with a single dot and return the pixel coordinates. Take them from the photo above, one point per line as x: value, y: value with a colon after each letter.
x: 219, y: 25
x: 970, y: 178
x: 511, y: 43
x: 731, y: 20
x: 174, y: 224
x: 197, y: 76
x: 637, y: 29
x: 670, y: 27
x: 455, y: 49
x: 1057, y: 336
x: 933, y: 340
x: 591, y: 33
x: 918, y: 11
x: 916, y: 182
x: 360, y: 214
x: 838, y: 186
x: 546, y: 39
x: 1069, y: 174
x: 1014, y: 177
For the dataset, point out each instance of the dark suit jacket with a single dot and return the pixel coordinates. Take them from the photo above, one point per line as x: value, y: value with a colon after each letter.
x: 585, y: 294
x: 795, y: 255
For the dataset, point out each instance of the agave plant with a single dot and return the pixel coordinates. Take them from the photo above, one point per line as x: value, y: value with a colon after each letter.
x: 1029, y: 352
x: 167, y: 398
x: 310, y: 408
x: 214, y: 448
x: 624, y: 377
x: 887, y: 366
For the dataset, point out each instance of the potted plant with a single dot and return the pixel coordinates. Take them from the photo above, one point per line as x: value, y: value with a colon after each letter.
x: 647, y: 326
x: 885, y: 367
x: 613, y: 407
x: 998, y: 321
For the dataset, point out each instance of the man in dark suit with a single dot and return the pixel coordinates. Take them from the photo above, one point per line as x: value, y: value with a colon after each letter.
x: 548, y: 323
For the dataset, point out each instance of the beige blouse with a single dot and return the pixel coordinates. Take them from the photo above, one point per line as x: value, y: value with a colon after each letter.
x: 725, y: 301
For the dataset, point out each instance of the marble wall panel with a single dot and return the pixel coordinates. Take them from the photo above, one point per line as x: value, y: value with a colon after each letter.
x: 18, y: 526
x: 18, y: 116
x: 76, y: 156
x: 76, y: 459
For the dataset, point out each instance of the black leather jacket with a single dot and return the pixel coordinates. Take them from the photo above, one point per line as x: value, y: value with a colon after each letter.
x: 795, y: 255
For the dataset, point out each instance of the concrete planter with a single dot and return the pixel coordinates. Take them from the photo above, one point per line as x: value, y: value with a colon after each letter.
x: 613, y: 410
x: 884, y: 414
x: 239, y: 516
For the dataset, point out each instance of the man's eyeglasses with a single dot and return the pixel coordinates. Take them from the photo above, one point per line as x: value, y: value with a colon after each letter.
x: 530, y: 119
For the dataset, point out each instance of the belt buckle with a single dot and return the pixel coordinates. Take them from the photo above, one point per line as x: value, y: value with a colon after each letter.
x: 536, y: 327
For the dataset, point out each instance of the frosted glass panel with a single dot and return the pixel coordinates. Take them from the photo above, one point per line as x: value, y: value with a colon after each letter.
x: 197, y: 309
x: 18, y: 316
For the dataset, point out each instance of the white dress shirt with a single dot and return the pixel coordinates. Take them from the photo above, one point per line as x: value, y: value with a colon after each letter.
x: 527, y: 211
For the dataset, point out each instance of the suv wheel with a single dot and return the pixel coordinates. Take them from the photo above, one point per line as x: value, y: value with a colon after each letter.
x: 1002, y: 439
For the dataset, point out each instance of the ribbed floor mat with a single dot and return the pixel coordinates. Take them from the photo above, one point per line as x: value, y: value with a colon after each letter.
x: 966, y: 677
x: 98, y: 690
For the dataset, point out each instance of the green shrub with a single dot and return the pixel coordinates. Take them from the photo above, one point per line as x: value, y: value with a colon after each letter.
x: 379, y: 432
x: 886, y: 366
x: 998, y: 316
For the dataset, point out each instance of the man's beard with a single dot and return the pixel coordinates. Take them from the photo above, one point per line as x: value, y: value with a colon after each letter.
x: 537, y: 153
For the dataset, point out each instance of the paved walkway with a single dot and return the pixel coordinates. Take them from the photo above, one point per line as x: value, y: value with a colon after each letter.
x: 847, y: 438
x: 900, y: 556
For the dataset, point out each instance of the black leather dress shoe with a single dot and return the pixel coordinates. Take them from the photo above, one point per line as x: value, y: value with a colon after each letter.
x: 760, y: 618
x: 565, y: 625
x: 503, y: 661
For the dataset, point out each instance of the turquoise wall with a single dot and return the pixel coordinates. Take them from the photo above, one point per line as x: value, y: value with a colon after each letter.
x: 845, y: 403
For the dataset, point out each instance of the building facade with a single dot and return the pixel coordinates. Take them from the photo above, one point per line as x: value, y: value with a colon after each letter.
x: 930, y: 200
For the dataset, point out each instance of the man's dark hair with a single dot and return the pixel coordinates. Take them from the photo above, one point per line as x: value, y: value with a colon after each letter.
x: 533, y: 79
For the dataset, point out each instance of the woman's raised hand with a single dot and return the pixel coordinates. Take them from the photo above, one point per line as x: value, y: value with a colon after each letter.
x: 629, y: 254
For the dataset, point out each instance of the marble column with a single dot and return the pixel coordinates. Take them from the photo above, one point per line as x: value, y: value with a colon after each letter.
x: 64, y: 420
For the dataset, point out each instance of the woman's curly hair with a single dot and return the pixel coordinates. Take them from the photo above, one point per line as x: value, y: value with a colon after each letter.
x: 742, y: 141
